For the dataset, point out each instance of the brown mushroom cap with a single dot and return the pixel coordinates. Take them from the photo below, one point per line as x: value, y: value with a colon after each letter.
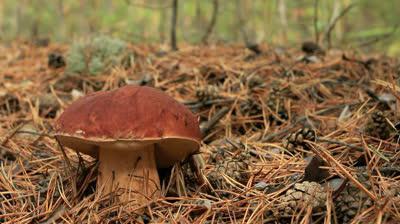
x: 129, y: 116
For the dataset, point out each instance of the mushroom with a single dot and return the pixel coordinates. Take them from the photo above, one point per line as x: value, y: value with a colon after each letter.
x: 132, y: 131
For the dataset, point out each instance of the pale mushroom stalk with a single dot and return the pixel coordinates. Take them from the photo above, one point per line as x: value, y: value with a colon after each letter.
x: 131, y: 172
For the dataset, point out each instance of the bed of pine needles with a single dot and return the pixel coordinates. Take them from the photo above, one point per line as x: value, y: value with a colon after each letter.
x: 289, y: 137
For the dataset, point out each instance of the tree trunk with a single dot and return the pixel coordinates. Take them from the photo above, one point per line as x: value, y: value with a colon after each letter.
x: 161, y: 25
x: 213, y: 21
x: 174, y: 20
x: 283, y: 19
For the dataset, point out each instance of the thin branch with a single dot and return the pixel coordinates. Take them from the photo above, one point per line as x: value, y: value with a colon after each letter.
x: 174, y: 20
x: 70, y: 167
x: 147, y: 6
x: 55, y: 215
x: 242, y: 23
x: 303, y: 118
x: 380, y: 37
x: 213, y: 21
x: 196, y: 161
x: 333, y: 141
x: 12, y: 134
x: 334, y: 22
x: 206, y: 127
x: 196, y: 105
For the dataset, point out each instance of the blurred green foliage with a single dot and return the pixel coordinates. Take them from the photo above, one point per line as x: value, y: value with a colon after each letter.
x: 149, y: 20
x: 95, y: 55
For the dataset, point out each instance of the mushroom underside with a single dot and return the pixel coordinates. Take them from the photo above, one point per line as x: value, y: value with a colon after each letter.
x: 167, y: 151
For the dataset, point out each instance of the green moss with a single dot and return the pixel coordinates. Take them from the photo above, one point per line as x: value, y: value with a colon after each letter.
x: 95, y: 56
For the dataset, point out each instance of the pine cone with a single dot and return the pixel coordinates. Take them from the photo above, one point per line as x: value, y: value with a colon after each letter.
x: 189, y: 175
x: 55, y: 60
x: 215, y: 178
x: 207, y: 92
x: 218, y: 156
x: 377, y: 126
x: 296, y: 139
x: 243, y: 156
x: 352, y: 200
x: 237, y: 170
x: 312, y: 48
x: 250, y: 107
x: 252, y: 81
x: 275, y: 102
x: 235, y: 167
x: 302, y: 195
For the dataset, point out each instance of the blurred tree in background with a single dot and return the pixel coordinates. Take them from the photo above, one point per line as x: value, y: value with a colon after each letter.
x: 369, y: 24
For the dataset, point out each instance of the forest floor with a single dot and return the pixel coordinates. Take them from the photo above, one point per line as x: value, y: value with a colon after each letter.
x: 289, y: 136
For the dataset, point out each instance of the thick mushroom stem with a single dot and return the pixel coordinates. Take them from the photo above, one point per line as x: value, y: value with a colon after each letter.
x: 130, y: 172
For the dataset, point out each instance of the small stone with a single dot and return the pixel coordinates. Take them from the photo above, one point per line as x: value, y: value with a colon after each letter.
x: 48, y: 101
x: 76, y: 94
x: 28, y: 132
x: 260, y: 186
x: 204, y: 203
